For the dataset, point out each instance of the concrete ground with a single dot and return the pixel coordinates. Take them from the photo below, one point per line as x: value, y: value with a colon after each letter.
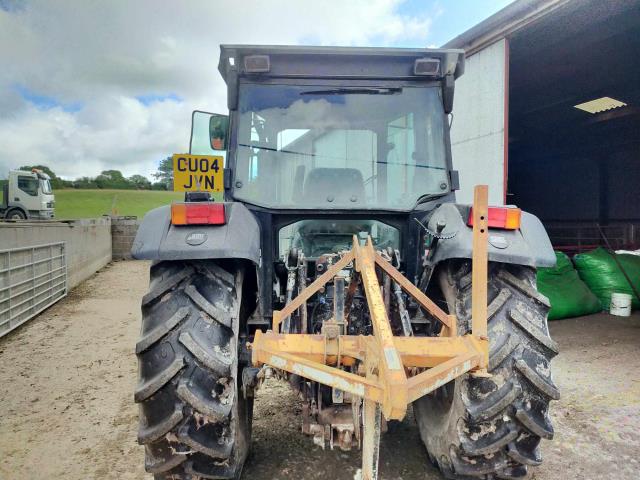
x: 67, y: 381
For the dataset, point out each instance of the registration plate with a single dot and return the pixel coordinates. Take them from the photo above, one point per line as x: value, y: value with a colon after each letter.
x: 198, y: 173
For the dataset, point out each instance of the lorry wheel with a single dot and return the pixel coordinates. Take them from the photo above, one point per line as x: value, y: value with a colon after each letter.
x: 194, y: 421
x: 488, y: 428
x: 16, y: 214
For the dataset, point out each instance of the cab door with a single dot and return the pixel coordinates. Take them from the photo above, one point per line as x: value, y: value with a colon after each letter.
x: 26, y: 192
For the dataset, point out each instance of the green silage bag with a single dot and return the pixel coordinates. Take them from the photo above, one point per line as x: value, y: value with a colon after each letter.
x: 569, y: 296
x: 600, y: 272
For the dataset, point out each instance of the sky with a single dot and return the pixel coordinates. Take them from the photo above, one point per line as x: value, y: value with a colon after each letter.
x: 92, y: 85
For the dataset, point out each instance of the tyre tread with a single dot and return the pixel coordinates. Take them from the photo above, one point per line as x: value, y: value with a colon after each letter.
x: 210, y: 359
x: 166, y: 284
x: 164, y: 465
x: 149, y: 434
x: 209, y: 408
x: 542, y: 384
x: 154, y: 336
x: 498, y: 412
x: 185, y: 354
x: 495, y: 402
x: 209, y: 308
x: 534, y: 332
x: 154, y: 384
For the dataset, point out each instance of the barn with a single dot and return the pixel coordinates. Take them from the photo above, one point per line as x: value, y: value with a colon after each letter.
x: 548, y: 114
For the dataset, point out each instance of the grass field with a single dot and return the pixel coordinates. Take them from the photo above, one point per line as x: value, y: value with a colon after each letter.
x: 72, y: 203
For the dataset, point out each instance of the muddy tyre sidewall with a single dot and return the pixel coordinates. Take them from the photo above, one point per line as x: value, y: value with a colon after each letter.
x: 194, y: 420
x: 478, y: 427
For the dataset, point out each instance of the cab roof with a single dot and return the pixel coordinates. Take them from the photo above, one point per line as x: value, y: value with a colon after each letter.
x: 338, y: 62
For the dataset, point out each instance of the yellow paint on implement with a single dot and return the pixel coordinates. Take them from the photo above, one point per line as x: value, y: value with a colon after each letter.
x: 333, y: 377
x: 434, y: 378
x: 383, y: 382
x: 198, y: 173
x: 391, y: 375
x: 417, y: 352
x: 387, y: 359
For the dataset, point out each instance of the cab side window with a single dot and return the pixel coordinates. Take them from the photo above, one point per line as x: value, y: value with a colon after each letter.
x: 28, y: 185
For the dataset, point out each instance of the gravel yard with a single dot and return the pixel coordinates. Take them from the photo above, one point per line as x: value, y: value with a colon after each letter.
x: 67, y: 411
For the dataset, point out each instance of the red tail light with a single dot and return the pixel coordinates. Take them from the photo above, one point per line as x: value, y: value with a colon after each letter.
x: 198, y: 214
x: 507, y: 218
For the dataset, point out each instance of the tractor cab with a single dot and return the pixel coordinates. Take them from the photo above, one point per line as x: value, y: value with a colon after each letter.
x: 314, y: 134
x: 334, y: 129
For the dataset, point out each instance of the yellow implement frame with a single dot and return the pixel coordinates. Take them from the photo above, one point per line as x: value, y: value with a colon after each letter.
x: 397, y: 370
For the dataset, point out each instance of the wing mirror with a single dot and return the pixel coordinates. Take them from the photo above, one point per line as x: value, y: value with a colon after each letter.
x: 209, y: 131
x: 218, y: 130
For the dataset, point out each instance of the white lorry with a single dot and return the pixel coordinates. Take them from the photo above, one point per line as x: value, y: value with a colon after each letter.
x: 27, y: 195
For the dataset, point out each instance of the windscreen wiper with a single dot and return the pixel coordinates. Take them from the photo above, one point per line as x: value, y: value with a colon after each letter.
x: 430, y: 196
x: 406, y: 164
x: 270, y: 149
x: 354, y: 91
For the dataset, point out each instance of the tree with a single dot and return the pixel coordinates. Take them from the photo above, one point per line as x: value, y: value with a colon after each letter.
x: 56, y: 182
x: 165, y: 173
x: 140, y: 182
x: 85, y: 182
x: 103, y: 181
x: 44, y: 168
x: 114, y: 175
x: 112, y: 179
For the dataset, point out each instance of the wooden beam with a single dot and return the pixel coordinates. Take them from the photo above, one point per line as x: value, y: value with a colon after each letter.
x: 479, y: 261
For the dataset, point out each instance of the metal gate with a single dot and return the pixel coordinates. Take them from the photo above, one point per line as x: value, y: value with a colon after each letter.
x: 31, y: 279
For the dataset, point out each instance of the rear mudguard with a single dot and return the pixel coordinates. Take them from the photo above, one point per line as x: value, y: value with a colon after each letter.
x: 239, y: 238
x: 529, y: 245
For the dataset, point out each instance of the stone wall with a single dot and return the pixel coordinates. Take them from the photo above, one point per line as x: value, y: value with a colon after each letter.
x: 123, y: 232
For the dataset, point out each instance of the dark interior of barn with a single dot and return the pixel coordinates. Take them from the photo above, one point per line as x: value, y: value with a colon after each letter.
x: 574, y: 169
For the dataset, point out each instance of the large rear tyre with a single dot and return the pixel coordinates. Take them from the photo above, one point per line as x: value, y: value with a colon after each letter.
x: 491, y: 427
x: 194, y: 421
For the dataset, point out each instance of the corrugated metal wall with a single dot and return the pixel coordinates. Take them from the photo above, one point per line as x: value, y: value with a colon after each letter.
x: 478, y: 130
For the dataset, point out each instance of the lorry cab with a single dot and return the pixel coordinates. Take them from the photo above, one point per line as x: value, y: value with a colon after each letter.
x: 27, y: 195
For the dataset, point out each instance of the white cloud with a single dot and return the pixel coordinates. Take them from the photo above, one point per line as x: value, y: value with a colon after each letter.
x: 104, y: 54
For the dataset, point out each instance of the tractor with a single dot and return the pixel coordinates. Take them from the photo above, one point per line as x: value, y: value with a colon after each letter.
x: 326, y: 245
